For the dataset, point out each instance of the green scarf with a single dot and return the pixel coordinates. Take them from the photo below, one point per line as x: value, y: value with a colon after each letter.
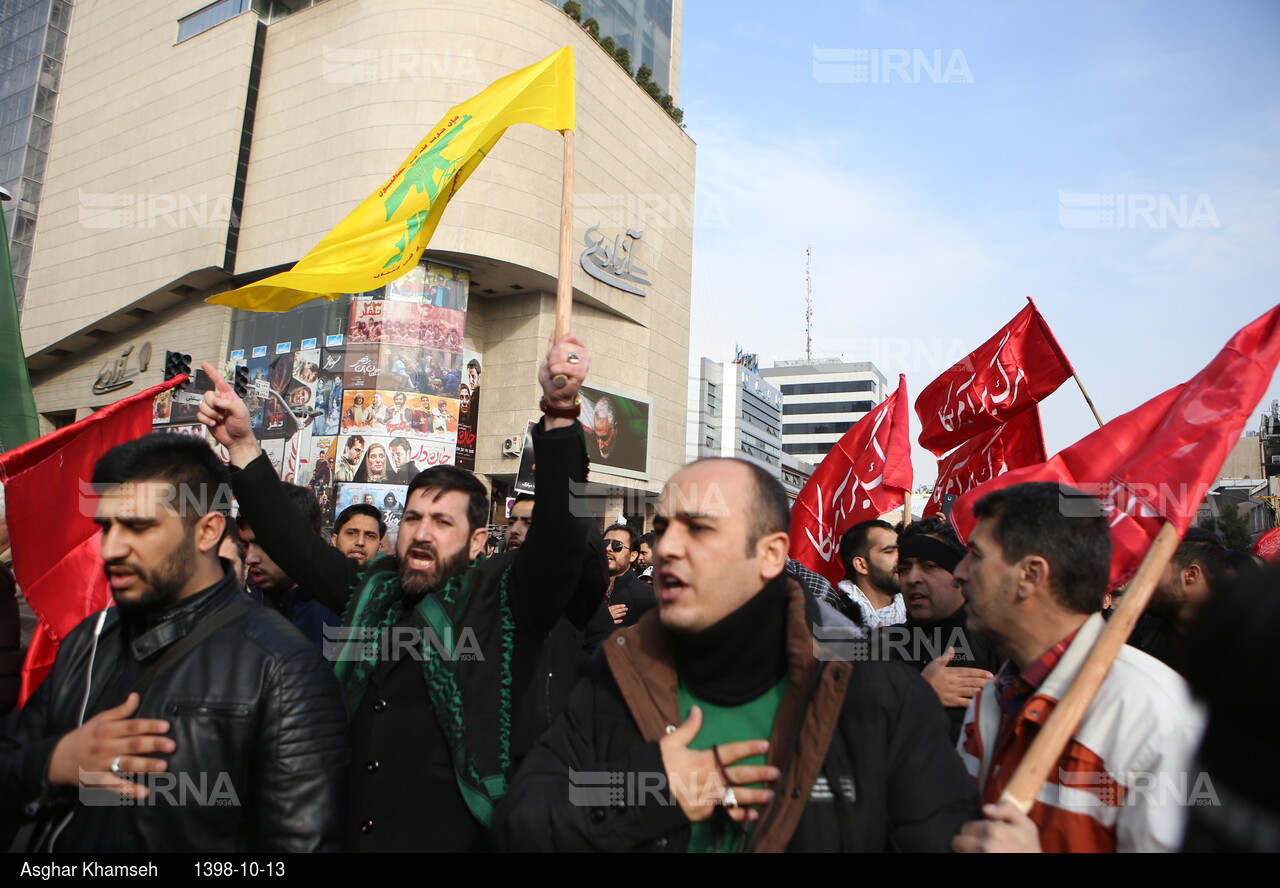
x: 471, y: 698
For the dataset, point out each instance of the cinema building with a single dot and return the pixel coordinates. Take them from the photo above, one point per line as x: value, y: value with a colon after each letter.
x: 194, y: 150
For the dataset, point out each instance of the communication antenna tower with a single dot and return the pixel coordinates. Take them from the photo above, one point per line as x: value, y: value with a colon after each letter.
x: 808, y: 304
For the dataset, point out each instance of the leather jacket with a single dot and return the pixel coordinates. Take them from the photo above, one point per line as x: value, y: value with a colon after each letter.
x: 254, y: 711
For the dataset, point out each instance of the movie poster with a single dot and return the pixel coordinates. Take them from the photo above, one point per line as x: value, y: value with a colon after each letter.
x: 390, y: 396
x: 524, y: 472
x: 328, y: 398
x: 256, y: 400
x: 406, y: 323
x: 469, y: 409
x: 388, y: 498
x: 361, y: 367
x: 446, y: 287
x: 161, y: 407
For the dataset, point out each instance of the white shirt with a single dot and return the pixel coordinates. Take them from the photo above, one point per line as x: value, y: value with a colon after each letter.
x: 892, y: 614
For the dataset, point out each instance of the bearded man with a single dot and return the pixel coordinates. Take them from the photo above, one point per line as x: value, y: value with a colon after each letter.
x: 439, y: 646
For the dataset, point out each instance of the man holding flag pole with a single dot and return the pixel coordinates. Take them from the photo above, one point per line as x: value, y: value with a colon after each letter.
x: 1081, y: 739
x: 438, y: 644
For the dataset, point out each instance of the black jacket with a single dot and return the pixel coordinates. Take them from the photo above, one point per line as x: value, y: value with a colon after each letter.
x: 921, y: 643
x: 255, y: 714
x: 628, y: 589
x: 863, y: 750
x: 402, y: 783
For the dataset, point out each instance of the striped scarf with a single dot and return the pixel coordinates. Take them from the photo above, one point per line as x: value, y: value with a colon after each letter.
x: 470, y: 698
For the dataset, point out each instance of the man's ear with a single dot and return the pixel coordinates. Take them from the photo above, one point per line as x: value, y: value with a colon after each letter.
x: 209, y: 530
x: 772, y: 550
x: 479, y: 537
x: 1035, y: 576
x: 1192, y: 574
x: 861, y: 566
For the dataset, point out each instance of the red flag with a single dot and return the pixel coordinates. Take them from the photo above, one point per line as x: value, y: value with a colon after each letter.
x: 55, y: 542
x: 1268, y: 546
x: 864, y: 476
x: 1012, y: 445
x: 1156, y: 462
x: 1019, y: 366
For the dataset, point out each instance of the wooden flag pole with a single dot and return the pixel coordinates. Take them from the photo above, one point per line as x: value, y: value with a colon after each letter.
x: 906, y: 508
x: 564, y: 282
x: 1046, y: 749
x: 1087, y: 399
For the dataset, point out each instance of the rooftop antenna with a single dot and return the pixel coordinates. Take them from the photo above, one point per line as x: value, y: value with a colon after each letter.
x: 808, y: 304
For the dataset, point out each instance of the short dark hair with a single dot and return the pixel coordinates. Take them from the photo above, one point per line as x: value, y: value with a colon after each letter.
x: 1214, y: 559
x: 856, y: 542
x: 474, y: 363
x: 938, y: 529
x: 522, y: 498
x: 445, y: 478
x: 201, y: 482
x: 633, y: 536
x: 1064, y: 526
x: 353, y: 439
x: 360, y: 509
x: 646, y: 539
x: 400, y: 442
x: 772, y: 512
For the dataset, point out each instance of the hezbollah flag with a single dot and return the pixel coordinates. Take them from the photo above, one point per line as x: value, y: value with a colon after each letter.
x: 383, y: 238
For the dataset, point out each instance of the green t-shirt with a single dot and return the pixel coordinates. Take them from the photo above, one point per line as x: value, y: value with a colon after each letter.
x: 752, y: 720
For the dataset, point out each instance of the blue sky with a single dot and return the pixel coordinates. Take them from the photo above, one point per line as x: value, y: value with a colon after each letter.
x: 935, y: 208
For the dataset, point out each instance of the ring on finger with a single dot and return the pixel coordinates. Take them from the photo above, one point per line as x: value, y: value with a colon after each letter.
x: 115, y: 764
x: 573, y: 358
x: 730, y: 799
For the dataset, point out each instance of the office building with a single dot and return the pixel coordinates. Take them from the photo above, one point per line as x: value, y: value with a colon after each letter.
x: 734, y: 412
x: 821, y: 400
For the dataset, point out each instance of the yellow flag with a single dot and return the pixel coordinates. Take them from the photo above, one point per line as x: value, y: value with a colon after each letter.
x: 384, y: 237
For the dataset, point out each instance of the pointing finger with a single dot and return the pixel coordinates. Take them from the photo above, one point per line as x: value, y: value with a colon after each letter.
x: 217, y: 378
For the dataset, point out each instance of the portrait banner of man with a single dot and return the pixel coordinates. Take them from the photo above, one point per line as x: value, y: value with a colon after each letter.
x: 617, y: 428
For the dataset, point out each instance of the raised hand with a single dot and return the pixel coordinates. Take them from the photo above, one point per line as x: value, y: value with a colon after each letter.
x: 111, y: 738
x: 227, y: 417
x: 567, y: 356
x: 695, y: 779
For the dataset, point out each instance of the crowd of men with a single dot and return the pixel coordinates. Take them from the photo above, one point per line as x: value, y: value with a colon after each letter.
x: 689, y: 689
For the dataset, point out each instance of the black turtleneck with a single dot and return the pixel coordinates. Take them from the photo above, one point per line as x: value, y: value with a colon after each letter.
x: 743, y: 655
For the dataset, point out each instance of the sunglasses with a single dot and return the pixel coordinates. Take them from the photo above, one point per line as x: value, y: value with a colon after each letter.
x: 616, y: 545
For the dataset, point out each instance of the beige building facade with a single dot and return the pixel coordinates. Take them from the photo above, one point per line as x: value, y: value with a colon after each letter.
x: 178, y: 170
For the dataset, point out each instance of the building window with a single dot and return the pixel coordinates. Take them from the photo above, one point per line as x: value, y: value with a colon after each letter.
x: 211, y: 16
x: 841, y: 407
x: 214, y: 14
x: 816, y: 428
x: 829, y: 388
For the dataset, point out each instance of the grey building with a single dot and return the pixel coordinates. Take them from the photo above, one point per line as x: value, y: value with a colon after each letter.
x: 734, y: 412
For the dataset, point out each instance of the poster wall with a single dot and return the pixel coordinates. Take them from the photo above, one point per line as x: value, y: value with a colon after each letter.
x: 358, y: 413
